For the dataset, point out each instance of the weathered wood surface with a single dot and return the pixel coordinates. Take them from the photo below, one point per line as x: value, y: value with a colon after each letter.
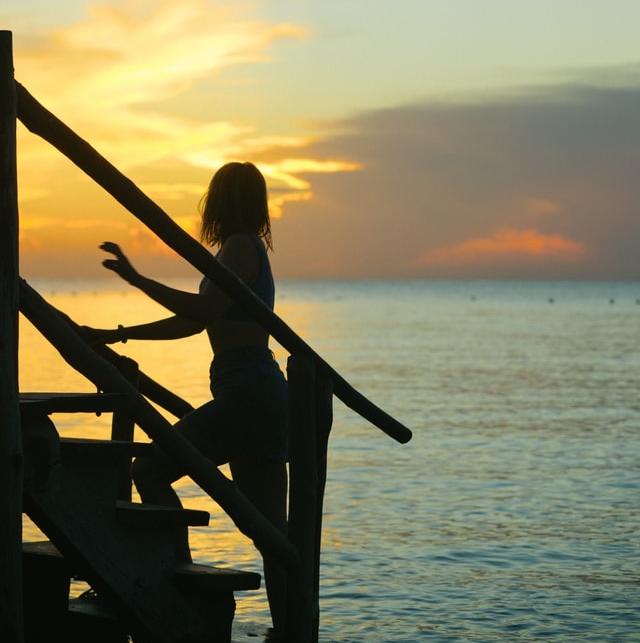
x: 146, y: 516
x: 47, y: 403
x: 93, y: 450
x: 43, y: 123
x: 324, y: 422
x: 106, y: 377
x: 301, y: 606
x: 311, y: 418
x: 128, y: 568
x: 10, y: 441
x: 123, y: 428
x: 192, y: 577
x: 126, y: 552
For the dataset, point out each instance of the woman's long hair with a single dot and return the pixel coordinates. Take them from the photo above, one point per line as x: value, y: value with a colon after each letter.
x: 235, y: 202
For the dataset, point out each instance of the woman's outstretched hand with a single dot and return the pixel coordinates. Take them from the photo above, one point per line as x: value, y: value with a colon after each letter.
x: 120, y: 265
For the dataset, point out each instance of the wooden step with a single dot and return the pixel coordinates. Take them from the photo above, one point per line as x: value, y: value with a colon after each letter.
x: 191, y: 577
x: 196, y: 578
x: 101, y: 451
x: 90, y: 619
x: 47, y: 403
x: 143, y: 515
x: 129, y: 568
x: 44, y: 557
x: 45, y: 590
x: 210, y: 591
x: 41, y: 549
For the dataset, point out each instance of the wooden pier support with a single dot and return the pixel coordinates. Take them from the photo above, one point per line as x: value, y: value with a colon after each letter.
x: 11, y: 462
x: 310, y: 420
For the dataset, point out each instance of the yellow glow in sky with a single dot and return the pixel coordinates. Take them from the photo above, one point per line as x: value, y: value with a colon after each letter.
x: 395, y: 137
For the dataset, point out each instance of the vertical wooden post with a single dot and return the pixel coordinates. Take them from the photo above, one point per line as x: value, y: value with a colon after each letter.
x: 11, y: 465
x: 122, y: 428
x: 324, y: 422
x: 303, y: 484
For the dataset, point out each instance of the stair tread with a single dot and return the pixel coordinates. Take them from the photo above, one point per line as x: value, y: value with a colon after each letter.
x: 196, y: 577
x: 92, y: 619
x: 93, y: 607
x: 45, y: 553
x: 131, y: 571
x: 72, y: 402
x: 72, y: 448
x: 188, y: 576
x: 40, y: 548
x: 133, y: 514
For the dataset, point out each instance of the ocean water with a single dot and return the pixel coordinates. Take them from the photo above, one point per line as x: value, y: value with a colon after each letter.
x: 514, y: 512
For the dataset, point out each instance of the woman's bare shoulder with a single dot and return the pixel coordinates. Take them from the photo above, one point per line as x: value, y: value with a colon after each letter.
x: 238, y: 253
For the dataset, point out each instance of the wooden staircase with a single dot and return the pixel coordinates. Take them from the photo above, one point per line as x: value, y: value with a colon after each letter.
x: 123, y: 550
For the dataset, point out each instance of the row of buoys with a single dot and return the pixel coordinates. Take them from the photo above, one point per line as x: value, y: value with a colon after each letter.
x: 552, y: 300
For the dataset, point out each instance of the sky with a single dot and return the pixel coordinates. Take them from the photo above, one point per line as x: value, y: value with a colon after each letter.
x: 457, y: 139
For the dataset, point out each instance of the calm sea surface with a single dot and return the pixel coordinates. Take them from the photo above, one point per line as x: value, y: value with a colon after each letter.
x: 514, y: 512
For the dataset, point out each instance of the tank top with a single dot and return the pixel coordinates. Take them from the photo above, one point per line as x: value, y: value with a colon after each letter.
x: 263, y: 287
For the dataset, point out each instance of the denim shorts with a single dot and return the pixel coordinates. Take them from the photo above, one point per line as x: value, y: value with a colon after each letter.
x: 248, y: 413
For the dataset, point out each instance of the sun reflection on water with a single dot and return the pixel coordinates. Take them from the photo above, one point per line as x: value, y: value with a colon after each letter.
x: 513, y: 512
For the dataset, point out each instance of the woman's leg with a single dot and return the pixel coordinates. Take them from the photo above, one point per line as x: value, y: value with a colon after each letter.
x: 154, y: 475
x: 264, y: 483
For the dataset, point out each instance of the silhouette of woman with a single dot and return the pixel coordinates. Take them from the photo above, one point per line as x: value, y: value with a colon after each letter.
x: 245, y: 424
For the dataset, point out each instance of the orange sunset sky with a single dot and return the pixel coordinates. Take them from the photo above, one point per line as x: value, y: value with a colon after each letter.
x: 406, y: 139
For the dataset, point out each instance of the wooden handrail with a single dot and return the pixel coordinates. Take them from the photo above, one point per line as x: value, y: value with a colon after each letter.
x: 40, y: 121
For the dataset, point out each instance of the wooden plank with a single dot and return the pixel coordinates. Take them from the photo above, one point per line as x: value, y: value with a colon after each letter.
x: 10, y: 442
x: 192, y: 577
x: 93, y: 620
x: 129, y: 569
x: 49, y: 403
x: 89, y: 449
x: 138, y: 516
x: 123, y: 428
x: 44, y: 548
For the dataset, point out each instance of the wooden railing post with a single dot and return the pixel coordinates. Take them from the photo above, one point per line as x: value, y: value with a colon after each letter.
x: 324, y: 422
x: 302, y: 608
x: 11, y: 463
x: 122, y: 427
x: 310, y: 420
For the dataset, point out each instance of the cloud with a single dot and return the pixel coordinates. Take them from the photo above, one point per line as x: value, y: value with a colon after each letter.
x: 50, y: 223
x: 440, y: 189
x: 505, y: 243
x: 536, y: 184
x: 109, y: 75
